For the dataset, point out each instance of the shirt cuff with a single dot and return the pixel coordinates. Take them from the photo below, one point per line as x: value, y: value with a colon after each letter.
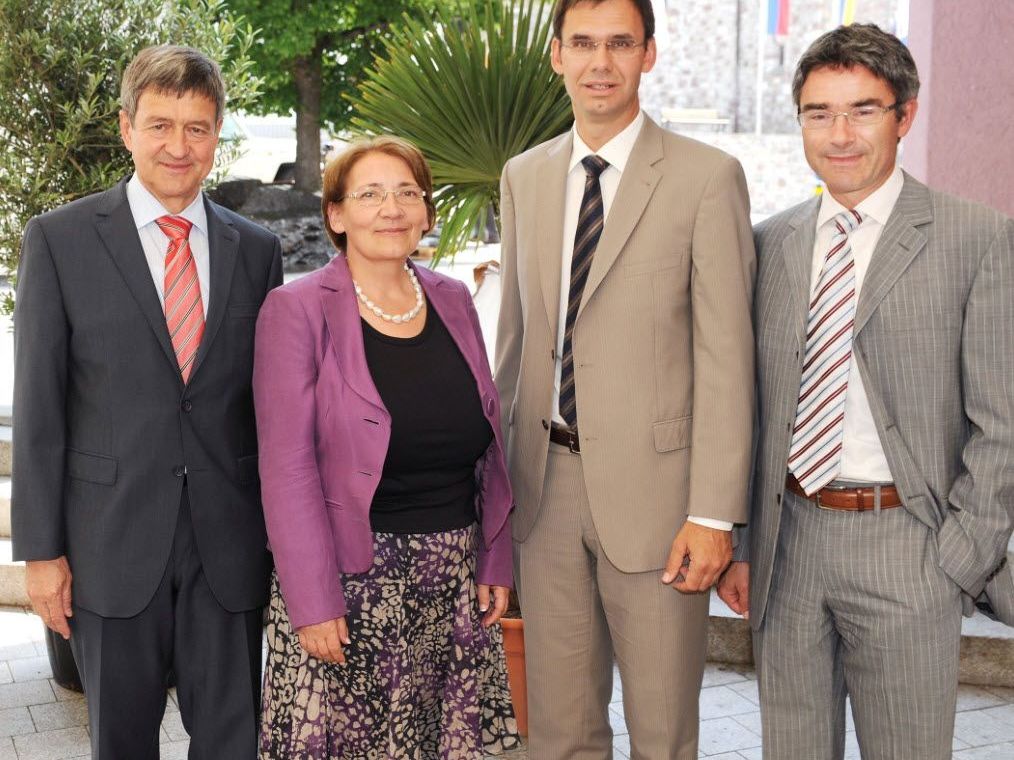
x: 708, y: 522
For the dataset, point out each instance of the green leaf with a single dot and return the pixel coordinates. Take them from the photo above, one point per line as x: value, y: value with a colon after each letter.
x: 470, y: 88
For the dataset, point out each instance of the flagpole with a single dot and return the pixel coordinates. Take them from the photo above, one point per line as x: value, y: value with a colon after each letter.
x: 762, y: 28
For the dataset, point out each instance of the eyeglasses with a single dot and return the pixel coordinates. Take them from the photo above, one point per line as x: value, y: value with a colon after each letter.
x: 620, y: 48
x: 375, y: 197
x: 860, y: 116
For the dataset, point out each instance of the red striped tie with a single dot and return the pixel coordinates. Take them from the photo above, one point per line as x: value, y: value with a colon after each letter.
x: 815, y: 452
x: 184, y: 312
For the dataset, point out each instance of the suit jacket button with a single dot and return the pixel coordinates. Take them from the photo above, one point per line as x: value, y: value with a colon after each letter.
x: 545, y: 425
x: 187, y: 405
x: 179, y: 471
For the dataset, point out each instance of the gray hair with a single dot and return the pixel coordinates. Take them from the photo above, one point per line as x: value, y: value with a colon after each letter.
x: 866, y: 45
x: 172, y: 70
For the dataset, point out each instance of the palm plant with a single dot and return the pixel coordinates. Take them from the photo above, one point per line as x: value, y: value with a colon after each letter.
x: 471, y: 88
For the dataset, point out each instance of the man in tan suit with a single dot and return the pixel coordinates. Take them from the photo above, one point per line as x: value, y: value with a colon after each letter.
x: 625, y: 369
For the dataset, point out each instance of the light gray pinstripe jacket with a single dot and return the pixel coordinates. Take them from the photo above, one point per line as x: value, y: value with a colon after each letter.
x: 934, y: 342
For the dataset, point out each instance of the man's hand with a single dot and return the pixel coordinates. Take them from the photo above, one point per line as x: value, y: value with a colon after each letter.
x: 734, y: 588
x: 324, y: 640
x: 494, y: 613
x: 698, y: 556
x: 48, y: 584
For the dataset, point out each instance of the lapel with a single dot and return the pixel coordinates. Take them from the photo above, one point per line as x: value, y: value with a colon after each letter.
x: 115, y: 225
x: 338, y: 302
x: 899, y: 244
x: 640, y: 177
x: 223, y: 249
x: 550, y: 192
x: 797, y: 254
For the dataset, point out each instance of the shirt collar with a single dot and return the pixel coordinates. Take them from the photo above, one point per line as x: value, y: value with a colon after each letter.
x: 146, y: 208
x: 616, y: 151
x: 877, y: 206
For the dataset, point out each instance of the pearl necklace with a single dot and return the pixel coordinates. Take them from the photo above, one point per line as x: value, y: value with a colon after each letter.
x: 398, y: 319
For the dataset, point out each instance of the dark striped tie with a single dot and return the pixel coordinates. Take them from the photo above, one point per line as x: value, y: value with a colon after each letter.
x: 589, y: 229
x: 815, y: 451
x: 184, y: 312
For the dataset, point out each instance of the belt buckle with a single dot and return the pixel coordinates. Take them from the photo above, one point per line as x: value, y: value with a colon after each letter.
x: 816, y: 500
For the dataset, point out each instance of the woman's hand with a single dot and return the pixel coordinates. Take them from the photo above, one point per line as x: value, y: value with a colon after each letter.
x: 495, y: 610
x: 324, y: 640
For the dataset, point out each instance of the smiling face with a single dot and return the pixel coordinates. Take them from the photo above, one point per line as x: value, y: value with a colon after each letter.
x: 172, y: 140
x: 852, y: 161
x: 388, y: 232
x: 603, y: 85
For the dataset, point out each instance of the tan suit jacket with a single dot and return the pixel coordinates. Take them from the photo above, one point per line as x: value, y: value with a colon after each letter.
x: 663, y: 343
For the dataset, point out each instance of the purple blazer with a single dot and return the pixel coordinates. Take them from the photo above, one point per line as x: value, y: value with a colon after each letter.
x: 323, y: 433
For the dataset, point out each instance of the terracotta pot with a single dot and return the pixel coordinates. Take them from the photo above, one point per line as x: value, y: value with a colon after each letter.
x: 514, y: 648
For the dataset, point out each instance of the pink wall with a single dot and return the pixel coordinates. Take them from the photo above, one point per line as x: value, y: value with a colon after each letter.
x: 963, y: 137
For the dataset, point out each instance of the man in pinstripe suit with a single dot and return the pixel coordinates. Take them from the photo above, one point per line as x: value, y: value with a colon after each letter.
x: 884, y: 478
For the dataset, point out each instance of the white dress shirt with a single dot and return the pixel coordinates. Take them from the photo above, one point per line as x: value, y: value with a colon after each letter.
x: 862, y: 453
x: 145, y: 209
x: 616, y: 152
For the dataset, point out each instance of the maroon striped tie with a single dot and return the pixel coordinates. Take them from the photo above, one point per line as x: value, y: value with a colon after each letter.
x: 184, y: 312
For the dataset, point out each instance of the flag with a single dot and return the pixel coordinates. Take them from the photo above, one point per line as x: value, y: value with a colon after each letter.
x: 848, y: 12
x: 778, y: 17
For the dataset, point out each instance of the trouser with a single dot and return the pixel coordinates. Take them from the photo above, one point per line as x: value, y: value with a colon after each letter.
x: 580, y: 611
x: 215, y: 655
x: 858, y: 607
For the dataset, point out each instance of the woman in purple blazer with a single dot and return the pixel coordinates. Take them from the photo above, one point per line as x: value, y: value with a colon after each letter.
x: 385, y: 490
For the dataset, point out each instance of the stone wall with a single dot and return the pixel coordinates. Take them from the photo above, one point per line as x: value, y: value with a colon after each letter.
x: 711, y: 58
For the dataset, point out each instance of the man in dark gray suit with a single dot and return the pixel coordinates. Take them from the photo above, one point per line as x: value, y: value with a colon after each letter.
x: 883, y: 496
x: 135, y: 491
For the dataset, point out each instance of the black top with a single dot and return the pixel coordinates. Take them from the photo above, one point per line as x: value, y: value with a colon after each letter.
x: 438, y: 431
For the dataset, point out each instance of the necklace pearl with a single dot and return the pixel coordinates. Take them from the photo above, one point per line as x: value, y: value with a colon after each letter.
x: 397, y: 319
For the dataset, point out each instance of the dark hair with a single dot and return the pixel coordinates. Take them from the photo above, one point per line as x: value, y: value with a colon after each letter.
x: 171, y: 70
x: 337, y: 173
x: 866, y: 45
x: 643, y: 7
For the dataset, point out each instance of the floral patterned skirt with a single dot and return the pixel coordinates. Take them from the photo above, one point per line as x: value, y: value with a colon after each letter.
x: 423, y: 680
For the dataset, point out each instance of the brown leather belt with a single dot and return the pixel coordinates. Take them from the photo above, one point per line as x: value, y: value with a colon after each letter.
x: 564, y: 436
x: 847, y: 499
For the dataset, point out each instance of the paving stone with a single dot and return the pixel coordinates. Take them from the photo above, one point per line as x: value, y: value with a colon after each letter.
x: 719, y: 701
x: 62, y: 694
x: 17, y: 650
x: 976, y: 698
x: 53, y: 745
x: 7, y: 749
x: 993, y: 752
x: 994, y: 725
x: 57, y: 715
x: 748, y: 690
x: 173, y: 725
x: 31, y: 669
x: 725, y: 756
x: 616, y: 719
x: 15, y: 721
x: 750, y: 721
x: 720, y: 735
x: 24, y: 694
x: 719, y: 675
x: 5, y: 673
x: 754, y: 753
x: 621, y: 745
x: 174, y: 750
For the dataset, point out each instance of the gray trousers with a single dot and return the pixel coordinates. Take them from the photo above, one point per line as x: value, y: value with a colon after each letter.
x: 859, y: 607
x: 580, y: 611
x: 215, y: 654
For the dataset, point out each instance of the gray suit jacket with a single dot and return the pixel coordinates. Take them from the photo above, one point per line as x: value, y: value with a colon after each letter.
x: 663, y: 346
x: 105, y: 428
x: 934, y: 343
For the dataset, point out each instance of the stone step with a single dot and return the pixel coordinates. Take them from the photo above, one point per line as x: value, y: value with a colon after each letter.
x: 5, y: 507
x: 5, y: 450
x: 987, y: 647
x: 12, y: 578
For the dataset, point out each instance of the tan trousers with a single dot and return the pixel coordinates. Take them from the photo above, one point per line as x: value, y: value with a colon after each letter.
x: 580, y: 612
